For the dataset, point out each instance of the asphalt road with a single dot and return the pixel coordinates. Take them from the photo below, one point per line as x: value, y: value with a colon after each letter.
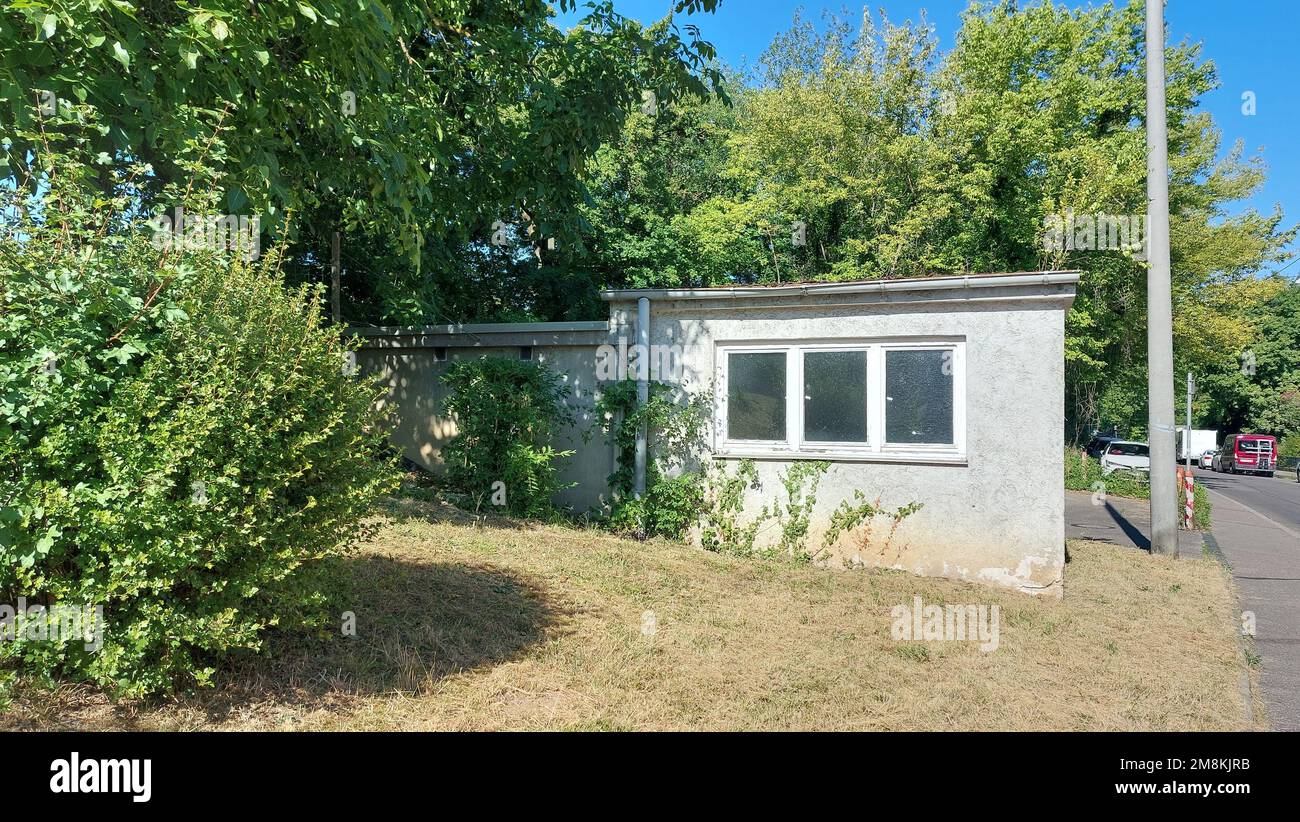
x: 1257, y: 527
x: 1278, y: 499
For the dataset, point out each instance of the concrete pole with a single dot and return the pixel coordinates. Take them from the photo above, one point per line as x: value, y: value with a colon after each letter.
x: 642, y: 390
x: 1160, y: 335
x: 1187, y: 439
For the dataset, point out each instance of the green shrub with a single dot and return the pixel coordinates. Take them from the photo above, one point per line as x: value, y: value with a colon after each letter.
x: 1201, y: 515
x: 507, y: 414
x: 1083, y: 473
x: 670, y: 506
x: 179, y: 441
x: 674, y: 490
x: 1289, y: 446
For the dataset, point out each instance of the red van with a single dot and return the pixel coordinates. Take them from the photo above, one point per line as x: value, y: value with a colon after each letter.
x: 1248, y: 453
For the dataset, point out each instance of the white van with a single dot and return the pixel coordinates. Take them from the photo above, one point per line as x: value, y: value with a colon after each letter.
x: 1135, y: 456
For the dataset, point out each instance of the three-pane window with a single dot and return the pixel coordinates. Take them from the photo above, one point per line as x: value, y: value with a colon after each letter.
x: 888, y: 398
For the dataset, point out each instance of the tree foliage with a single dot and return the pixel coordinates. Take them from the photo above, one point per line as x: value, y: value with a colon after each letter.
x: 862, y: 151
x: 412, y: 127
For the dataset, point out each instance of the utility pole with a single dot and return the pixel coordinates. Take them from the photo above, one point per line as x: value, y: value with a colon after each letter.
x: 1160, y: 324
x: 1187, y: 437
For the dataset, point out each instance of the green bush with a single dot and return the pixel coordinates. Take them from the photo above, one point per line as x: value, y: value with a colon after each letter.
x: 1201, y: 515
x: 675, y: 488
x: 1289, y: 446
x: 507, y: 414
x: 180, y: 438
x: 1083, y: 473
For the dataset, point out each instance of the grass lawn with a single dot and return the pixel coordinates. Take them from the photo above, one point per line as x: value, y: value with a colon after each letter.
x: 519, y: 626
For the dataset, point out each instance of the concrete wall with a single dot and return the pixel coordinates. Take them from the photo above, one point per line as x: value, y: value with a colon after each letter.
x: 405, y: 360
x: 995, y: 516
x: 999, y: 517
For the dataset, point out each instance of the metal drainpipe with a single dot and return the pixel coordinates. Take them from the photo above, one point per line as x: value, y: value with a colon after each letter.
x: 642, y: 389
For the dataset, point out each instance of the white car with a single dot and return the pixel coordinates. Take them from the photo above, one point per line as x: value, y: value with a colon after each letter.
x: 1121, y: 455
x: 1206, y: 460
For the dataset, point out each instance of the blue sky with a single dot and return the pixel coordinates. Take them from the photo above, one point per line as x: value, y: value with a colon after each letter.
x: 1253, y: 44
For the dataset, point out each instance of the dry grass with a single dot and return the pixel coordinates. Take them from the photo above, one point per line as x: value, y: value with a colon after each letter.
x: 520, y: 627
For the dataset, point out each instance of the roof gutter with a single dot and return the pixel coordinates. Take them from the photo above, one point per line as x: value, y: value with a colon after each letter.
x: 1046, y: 278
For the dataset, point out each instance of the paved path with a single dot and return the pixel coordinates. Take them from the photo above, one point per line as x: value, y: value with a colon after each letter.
x: 1277, y: 498
x: 1258, y: 531
x: 1117, y: 520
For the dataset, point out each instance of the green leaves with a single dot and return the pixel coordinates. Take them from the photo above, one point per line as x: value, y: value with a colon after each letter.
x: 177, y: 440
x: 418, y: 167
x: 507, y: 412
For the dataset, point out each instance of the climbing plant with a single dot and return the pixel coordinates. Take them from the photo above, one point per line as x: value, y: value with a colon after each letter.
x: 855, y: 517
x: 674, y: 489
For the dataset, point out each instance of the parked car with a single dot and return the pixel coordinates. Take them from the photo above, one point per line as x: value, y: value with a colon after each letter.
x: 1119, y: 454
x: 1248, y: 453
x: 1206, y: 460
x: 1098, y: 444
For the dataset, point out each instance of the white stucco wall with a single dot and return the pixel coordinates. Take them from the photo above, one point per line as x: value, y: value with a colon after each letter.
x: 998, y: 518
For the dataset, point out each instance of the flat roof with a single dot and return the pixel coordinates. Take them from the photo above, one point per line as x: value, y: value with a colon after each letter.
x: 882, y: 285
x: 478, y: 328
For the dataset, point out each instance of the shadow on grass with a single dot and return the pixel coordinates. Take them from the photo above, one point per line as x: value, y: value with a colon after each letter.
x: 416, y: 623
x: 406, y: 508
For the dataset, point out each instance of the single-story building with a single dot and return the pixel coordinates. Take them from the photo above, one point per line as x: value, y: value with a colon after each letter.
x: 946, y: 391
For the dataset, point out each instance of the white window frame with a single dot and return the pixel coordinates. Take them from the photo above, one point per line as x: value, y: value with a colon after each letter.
x: 875, y: 449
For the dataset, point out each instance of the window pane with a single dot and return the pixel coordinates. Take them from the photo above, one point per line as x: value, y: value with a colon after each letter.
x: 756, y: 396
x: 918, y: 397
x: 835, y: 396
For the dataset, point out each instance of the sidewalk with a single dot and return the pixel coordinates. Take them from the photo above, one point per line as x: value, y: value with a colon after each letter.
x: 1121, y: 521
x: 1265, y: 560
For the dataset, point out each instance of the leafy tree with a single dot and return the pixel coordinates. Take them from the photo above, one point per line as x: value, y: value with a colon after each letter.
x: 662, y: 210
x: 900, y: 161
x: 1257, y: 388
x: 412, y: 127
